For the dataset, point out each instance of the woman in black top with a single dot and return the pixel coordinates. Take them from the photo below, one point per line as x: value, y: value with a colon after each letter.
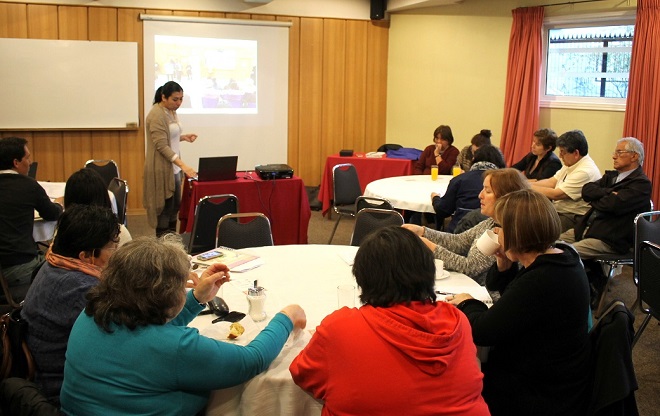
x: 538, y: 330
x: 541, y: 162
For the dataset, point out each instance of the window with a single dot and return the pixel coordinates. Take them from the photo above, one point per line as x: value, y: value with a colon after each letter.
x: 586, y: 63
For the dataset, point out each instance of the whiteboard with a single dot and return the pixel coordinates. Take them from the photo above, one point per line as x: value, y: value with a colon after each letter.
x: 66, y: 84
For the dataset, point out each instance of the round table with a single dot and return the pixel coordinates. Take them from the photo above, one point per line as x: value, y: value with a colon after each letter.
x: 307, y: 275
x: 409, y: 192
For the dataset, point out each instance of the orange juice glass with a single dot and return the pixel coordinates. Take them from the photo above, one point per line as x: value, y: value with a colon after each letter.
x: 434, y: 172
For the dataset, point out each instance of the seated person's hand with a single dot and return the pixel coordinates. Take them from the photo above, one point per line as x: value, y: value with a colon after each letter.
x: 297, y: 316
x: 213, y: 277
x: 192, y: 281
x: 458, y: 298
x: 419, y: 230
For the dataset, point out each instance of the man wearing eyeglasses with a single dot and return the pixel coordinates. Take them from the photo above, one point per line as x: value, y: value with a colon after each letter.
x: 565, y: 188
x: 615, y: 201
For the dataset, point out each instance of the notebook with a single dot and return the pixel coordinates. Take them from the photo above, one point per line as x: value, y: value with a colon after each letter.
x: 220, y: 168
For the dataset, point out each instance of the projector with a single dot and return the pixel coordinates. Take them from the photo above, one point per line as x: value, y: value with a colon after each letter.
x: 274, y: 171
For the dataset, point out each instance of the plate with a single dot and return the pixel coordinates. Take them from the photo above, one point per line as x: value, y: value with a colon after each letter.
x: 444, y: 275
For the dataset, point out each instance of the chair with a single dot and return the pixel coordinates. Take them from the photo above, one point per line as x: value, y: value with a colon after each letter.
x: 369, y: 220
x: 647, y: 228
x: 648, y: 288
x: 372, y: 202
x: 346, y: 190
x: 106, y: 168
x: 119, y: 189
x: 612, y: 372
x: 32, y: 171
x: 208, y: 212
x: 22, y: 397
x: 233, y: 233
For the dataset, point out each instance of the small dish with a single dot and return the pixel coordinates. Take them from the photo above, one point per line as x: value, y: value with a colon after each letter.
x: 444, y: 275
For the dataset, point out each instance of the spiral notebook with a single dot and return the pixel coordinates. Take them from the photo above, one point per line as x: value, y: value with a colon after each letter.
x: 228, y: 256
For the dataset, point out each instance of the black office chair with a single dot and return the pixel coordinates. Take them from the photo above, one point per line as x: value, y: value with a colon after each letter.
x: 208, y: 212
x: 233, y: 233
x: 647, y: 228
x: 32, y: 171
x: 648, y: 288
x: 612, y: 372
x: 119, y: 189
x: 107, y: 168
x: 369, y: 220
x: 346, y: 190
x: 372, y: 202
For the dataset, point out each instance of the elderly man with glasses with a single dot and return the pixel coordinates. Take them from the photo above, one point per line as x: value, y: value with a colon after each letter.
x: 565, y: 188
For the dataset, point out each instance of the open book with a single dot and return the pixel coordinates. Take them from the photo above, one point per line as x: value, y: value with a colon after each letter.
x: 225, y: 255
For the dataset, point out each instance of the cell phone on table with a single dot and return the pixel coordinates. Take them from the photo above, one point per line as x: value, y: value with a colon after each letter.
x: 210, y: 255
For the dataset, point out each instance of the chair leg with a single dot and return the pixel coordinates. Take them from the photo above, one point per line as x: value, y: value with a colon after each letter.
x: 640, y: 330
x: 606, y: 288
x: 334, y: 229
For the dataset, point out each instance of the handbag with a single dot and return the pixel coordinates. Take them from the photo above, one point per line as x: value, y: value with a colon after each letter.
x: 17, y: 360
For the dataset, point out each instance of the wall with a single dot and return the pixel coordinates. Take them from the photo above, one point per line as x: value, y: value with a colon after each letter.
x: 456, y: 73
x: 337, y: 88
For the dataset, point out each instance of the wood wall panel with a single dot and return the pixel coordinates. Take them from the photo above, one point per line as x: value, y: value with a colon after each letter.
x: 13, y: 20
x: 337, y: 88
x: 333, y: 93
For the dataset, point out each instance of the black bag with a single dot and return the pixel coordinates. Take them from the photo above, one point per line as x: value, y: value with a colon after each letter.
x: 16, y: 357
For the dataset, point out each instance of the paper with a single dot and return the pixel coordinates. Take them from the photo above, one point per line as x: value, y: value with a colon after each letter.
x: 348, y: 255
x: 230, y: 257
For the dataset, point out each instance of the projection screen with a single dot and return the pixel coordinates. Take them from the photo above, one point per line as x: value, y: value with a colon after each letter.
x: 234, y: 74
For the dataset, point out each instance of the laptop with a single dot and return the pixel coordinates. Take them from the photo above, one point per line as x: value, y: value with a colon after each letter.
x: 220, y: 168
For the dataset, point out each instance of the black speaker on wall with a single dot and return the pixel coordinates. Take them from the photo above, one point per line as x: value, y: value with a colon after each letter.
x: 378, y: 8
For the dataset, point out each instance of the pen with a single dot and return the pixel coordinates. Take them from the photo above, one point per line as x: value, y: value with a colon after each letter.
x: 444, y: 293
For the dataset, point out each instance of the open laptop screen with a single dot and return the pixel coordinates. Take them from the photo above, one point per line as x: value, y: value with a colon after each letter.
x: 219, y: 168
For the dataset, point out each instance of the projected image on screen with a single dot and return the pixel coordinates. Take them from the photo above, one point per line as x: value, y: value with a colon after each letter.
x: 218, y: 76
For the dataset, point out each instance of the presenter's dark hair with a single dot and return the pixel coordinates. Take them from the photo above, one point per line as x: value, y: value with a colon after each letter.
x: 547, y: 138
x: 394, y: 266
x: 86, y: 187
x: 85, y: 228
x: 143, y: 284
x: 574, y: 140
x: 166, y: 89
x: 482, y: 138
x: 11, y: 148
x: 444, y: 132
x: 489, y: 153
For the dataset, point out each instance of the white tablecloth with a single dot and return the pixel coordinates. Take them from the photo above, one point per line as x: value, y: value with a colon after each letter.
x: 307, y: 275
x: 409, y: 192
x: 44, y: 230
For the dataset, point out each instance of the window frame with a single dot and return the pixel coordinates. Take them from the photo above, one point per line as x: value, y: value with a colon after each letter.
x: 561, y: 22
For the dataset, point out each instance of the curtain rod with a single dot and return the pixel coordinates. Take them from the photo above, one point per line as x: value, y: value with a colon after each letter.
x: 570, y: 2
x: 189, y: 19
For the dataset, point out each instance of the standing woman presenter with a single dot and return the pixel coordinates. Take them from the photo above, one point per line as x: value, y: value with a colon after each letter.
x: 163, y: 166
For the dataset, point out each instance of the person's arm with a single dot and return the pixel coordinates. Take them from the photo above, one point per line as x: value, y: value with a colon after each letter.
x: 447, y: 161
x: 620, y: 200
x: 310, y: 368
x: 548, y: 167
x: 445, y: 205
x: 159, y: 134
x: 420, y: 164
x: 522, y: 163
x: 48, y: 210
x: 499, y: 275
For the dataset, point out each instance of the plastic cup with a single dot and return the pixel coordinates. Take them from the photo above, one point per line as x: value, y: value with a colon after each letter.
x: 434, y: 172
x: 346, y: 296
x: 488, y: 243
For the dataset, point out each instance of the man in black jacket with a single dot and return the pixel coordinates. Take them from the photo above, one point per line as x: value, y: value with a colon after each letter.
x: 615, y: 200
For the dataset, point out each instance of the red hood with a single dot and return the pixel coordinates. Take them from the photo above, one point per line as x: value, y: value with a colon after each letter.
x: 428, y: 333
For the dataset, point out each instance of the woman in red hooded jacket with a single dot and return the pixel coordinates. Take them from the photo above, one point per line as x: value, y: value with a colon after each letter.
x: 401, y: 352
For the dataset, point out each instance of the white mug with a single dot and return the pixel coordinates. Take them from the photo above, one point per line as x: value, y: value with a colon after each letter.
x: 488, y: 243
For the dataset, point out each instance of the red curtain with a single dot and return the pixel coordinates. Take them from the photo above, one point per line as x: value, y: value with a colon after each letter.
x: 643, y: 105
x: 521, y: 102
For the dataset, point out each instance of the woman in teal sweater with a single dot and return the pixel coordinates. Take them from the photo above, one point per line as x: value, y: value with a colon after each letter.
x: 131, y: 352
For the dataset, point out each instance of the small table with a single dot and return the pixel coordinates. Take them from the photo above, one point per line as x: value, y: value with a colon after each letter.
x: 283, y: 201
x: 409, y: 192
x: 368, y: 169
x: 307, y: 275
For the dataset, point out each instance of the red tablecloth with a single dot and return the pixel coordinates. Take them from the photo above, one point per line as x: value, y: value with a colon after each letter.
x: 369, y: 170
x: 284, y: 201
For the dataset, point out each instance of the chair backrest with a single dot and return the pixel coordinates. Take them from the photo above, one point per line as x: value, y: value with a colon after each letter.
x: 208, y: 212
x: 32, y: 171
x: 647, y: 228
x: 371, y: 202
x: 612, y: 371
x: 119, y: 189
x: 648, y: 273
x: 369, y: 220
x: 346, y: 184
x: 107, y: 168
x: 233, y: 233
